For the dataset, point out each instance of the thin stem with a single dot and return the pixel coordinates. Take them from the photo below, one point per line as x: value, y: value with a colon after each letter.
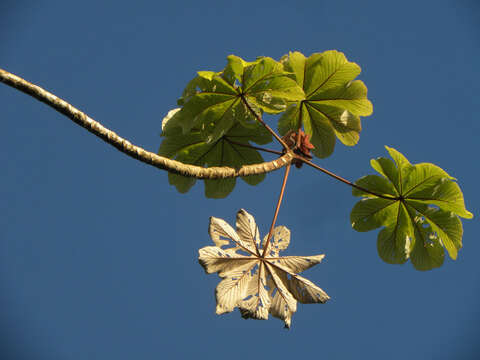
x: 277, y: 209
x: 253, y: 147
x: 134, y: 151
x: 259, y: 119
x: 345, y: 181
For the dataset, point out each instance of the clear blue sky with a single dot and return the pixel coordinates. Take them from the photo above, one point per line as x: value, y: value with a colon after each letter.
x: 98, y: 253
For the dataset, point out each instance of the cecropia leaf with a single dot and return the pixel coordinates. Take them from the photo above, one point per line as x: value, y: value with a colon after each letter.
x: 219, y: 117
x: 256, y: 279
x: 333, y: 101
x: 418, y: 207
x: 213, y: 102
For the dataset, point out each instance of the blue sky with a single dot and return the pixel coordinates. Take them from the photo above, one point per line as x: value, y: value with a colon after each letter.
x: 98, y: 253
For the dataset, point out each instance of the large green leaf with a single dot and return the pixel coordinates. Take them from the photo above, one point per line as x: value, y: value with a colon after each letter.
x: 229, y: 150
x: 333, y: 101
x: 266, y: 84
x: 419, y: 207
x: 213, y: 102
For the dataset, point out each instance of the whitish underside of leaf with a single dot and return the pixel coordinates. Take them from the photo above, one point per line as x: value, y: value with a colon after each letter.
x: 256, y: 280
x: 418, y: 207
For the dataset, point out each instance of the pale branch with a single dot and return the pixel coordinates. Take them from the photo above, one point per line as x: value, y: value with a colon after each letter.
x: 134, y: 151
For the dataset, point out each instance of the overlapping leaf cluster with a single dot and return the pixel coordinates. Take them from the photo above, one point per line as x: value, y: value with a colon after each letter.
x: 418, y: 207
x: 218, y: 121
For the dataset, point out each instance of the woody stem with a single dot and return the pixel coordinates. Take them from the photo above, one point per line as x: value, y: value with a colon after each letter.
x: 136, y: 152
x: 277, y: 209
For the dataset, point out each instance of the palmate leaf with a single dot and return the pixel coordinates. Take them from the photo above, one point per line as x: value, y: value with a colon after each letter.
x: 419, y: 207
x: 333, y: 101
x: 218, y: 119
x: 256, y: 279
x: 214, y: 101
x: 192, y: 148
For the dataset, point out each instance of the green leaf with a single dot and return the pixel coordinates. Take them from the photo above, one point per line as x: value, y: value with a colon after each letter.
x: 370, y: 214
x: 213, y: 102
x: 321, y: 131
x: 387, y: 168
x: 346, y: 126
x: 267, y: 85
x: 334, y: 101
x: 447, y: 227
x: 229, y: 150
x: 376, y: 184
x: 419, y: 207
x: 209, y: 110
x: 393, y: 243
x: 290, y: 119
x: 233, y: 72
x: 295, y: 63
x: 428, y: 252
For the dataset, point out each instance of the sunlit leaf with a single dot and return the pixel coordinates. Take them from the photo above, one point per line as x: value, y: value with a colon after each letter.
x: 418, y: 207
x: 266, y: 84
x: 214, y: 101
x: 333, y: 101
x: 255, y: 278
x: 393, y: 243
x: 211, y: 110
x: 371, y: 213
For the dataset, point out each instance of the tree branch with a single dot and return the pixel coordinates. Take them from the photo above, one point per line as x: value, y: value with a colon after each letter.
x: 134, y: 151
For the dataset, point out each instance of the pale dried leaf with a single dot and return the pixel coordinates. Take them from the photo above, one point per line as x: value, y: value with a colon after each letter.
x: 257, y: 301
x: 231, y: 290
x: 279, y: 307
x: 298, y: 264
x: 256, y: 284
x: 220, y: 229
x: 248, y: 230
x: 280, y: 240
x: 215, y: 259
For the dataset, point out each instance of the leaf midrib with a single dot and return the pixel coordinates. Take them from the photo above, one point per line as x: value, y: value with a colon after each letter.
x: 325, y: 81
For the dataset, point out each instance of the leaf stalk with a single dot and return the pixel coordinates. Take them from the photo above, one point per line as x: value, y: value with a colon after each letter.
x: 339, y: 178
x: 259, y: 119
x: 277, y: 209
